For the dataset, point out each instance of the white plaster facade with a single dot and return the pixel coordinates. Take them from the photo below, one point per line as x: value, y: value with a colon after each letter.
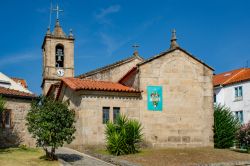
x: 225, y: 95
x: 9, y: 83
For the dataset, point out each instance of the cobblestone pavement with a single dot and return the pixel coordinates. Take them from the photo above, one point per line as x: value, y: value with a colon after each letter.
x: 72, y: 157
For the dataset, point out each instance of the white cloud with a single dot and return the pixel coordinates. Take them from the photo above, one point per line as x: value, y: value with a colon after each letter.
x: 18, y: 58
x: 111, y: 9
x: 112, y: 44
x: 101, y: 17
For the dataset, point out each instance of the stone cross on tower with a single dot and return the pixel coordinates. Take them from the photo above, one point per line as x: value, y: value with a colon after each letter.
x: 57, y: 11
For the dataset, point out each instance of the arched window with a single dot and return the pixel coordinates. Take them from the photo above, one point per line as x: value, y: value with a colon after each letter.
x: 59, y: 55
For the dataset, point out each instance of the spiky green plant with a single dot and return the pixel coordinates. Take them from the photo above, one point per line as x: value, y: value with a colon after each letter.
x: 225, y: 127
x: 124, y: 136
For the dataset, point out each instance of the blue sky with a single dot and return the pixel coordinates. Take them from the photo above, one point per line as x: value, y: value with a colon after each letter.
x: 217, y: 32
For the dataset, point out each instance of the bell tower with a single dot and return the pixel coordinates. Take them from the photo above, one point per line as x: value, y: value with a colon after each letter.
x: 58, y: 56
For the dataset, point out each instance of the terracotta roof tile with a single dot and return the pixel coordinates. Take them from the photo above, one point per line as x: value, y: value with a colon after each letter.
x: 14, y: 93
x: 87, y: 84
x: 21, y: 81
x: 232, y: 77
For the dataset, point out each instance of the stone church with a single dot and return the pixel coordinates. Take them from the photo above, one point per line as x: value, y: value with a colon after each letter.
x: 171, y: 94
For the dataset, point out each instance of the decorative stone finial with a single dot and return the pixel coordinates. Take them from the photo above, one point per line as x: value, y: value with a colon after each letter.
x: 173, y: 44
x: 48, y: 31
x: 71, y: 33
x: 136, y: 53
x: 58, y: 31
x: 57, y: 23
x: 135, y: 46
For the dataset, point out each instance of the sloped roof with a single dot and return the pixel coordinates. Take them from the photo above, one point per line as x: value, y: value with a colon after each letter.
x: 231, y: 77
x: 15, y: 93
x: 128, y: 74
x: 53, y: 87
x: 87, y: 84
x: 171, y: 50
x: 21, y: 81
x: 58, y: 31
x: 12, y: 84
x: 118, y: 63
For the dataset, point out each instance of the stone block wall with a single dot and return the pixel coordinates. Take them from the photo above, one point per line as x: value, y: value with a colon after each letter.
x: 17, y: 133
x: 187, y: 116
x: 186, y: 119
x: 114, y: 74
x: 88, y: 106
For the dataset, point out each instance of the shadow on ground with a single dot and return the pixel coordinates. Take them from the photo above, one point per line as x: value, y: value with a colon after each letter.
x: 9, y: 137
x: 69, y: 157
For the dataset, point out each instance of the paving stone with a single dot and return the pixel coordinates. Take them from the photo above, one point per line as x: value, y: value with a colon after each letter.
x: 70, y: 157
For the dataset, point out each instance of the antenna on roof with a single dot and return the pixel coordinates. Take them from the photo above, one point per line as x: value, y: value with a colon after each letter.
x: 50, y: 13
x: 247, y: 64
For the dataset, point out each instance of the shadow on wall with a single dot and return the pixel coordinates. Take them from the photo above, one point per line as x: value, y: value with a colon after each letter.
x: 9, y: 138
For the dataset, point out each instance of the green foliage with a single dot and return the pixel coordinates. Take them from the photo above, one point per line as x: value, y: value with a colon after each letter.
x: 23, y: 147
x: 124, y: 136
x: 2, y: 107
x: 2, y: 104
x: 225, y: 127
x: 51, y: 123
x: 243, y: 136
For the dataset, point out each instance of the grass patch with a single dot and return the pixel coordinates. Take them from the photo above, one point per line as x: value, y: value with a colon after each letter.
x: 24, y: 157
x: 185, y: 156
x: 101, y: 151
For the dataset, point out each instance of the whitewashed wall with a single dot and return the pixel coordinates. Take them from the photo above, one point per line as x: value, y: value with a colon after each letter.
x: 226, y: 95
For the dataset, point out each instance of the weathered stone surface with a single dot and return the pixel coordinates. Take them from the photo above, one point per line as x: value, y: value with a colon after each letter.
x: 114, y: 74
x: 49, y: 61
x: 187, y: 116
x: 17, y: 134
x: 187, y: 95
x: 174, y: 139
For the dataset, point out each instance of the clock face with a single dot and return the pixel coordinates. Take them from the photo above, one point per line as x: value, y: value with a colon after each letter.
x: 60, y: 72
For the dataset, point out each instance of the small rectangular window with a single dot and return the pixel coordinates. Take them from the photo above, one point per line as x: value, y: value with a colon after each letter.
x: 116, y: 113
x: 105, y: 115
x: 214, y: 98
x: 238, y: 93
x: 239, y: 115
x: 7, y: 119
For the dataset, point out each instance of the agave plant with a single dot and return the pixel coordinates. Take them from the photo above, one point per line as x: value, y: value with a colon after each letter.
x: 124, y: 136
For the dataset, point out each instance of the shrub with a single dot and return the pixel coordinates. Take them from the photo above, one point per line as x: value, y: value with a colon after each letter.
x: 23, y: 147
x: 225, y: 127
x: 51, y: 123
x: 243, y: 136
x: 124, y: 136
x: 2, y: 104
x: 2, y: 107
